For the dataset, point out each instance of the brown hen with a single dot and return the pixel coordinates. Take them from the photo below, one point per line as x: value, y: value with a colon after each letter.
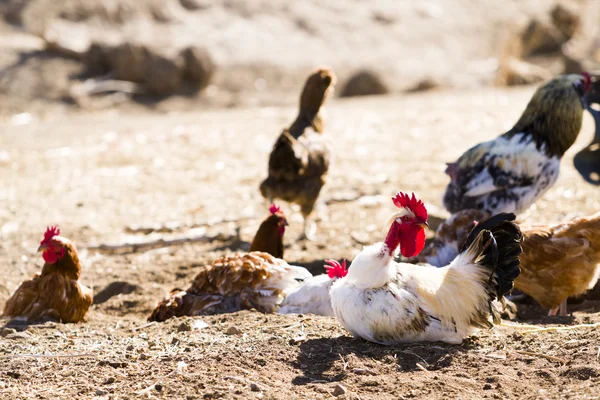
x: 239, y: 281
x: 558, y: 261
x: 56, y: 293
x: 300, y: 158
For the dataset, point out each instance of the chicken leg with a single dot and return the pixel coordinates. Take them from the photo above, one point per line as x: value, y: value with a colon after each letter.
x: 561, y: 310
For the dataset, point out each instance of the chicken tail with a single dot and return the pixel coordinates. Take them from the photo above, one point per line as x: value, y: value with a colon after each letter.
x: 493, y: 248
x: 502, y: 258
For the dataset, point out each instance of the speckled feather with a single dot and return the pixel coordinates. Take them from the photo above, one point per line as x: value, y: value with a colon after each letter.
x: 510, y: 173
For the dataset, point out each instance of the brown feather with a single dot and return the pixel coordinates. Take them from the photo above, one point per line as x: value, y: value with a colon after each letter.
x: 267, y: 238
x: 300, y: 158
x: 56, y: 293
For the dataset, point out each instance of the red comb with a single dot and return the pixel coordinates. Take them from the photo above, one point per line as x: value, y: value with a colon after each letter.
x: 335, y: 269
x: 402, y: 200
x: 51, y: 231
x: 588, y: 81
x: 274, y: 208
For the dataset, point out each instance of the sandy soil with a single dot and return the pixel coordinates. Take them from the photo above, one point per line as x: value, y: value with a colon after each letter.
x: 99, y: 175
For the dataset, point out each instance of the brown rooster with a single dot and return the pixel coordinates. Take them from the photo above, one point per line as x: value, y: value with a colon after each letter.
x: 258, y: 279
x: 300, y: 158
x: 56, y: 293
x: 558, y: 261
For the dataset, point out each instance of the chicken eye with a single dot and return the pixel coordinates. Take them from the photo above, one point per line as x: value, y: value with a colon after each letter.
x: 405, y: 218
x: 578, y: 86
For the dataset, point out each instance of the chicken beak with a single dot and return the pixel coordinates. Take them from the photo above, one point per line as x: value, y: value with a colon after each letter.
x: 42, y: 247
x: 423, y: 224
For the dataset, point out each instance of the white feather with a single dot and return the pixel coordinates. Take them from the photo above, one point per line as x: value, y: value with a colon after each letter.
x: 380, y: 300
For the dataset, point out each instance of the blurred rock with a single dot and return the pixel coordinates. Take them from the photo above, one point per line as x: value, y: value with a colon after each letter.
x: 513, y: 72
x: 11, y: 10
x: 69, y: 39
x: 364, y: 83
x: 199, y: 66
x: 233, y: 330
x: 565, y: 20
x: 165, y: 11
x: 163, y: 73
x: 423, y: 85
x: 128, y: 62
x: 195, y: 4
x: 540, y: 38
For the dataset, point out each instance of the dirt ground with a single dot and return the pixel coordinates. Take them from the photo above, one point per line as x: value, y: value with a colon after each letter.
x: 104, y: 176
x: 190, y: 166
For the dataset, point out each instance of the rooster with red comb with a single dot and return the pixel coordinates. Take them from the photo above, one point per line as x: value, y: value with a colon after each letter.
x: 512, y: 171
x: 387, y: 302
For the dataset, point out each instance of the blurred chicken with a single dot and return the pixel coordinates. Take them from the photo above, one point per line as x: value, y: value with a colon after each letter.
x: 387, y: 302
x: 56, y: 293
x: 239, y: 281
x: 558, y: 261
x: 509, y: 173
x: 300, y: 158
x: 312, y: 297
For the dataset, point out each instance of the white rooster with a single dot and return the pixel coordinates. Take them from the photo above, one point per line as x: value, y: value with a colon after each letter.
x: 312, y: 297
x: 387, y: 302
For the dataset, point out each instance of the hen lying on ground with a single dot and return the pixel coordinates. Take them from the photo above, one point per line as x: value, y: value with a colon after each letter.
x: 509, y: 173
x: 558, y: 261
x: 300, y: 158
x: 258, y: 279
x: 56, y: 293
x: 387, y: 302
x: 312, y: 297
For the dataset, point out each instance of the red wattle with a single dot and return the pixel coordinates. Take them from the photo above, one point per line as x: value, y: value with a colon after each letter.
x: 412, y: 242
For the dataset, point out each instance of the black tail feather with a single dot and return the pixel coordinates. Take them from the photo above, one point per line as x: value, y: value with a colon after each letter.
x: 507, y: 238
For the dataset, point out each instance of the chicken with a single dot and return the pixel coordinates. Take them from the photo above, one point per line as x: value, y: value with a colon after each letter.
x: 558, y: 261
x: 511, y: 172
x: 56, y: 293
x: 449, y: 237
x: 300, y: 158
x: 312, y: 297
x: 258, y: 279
x: 387, y: 302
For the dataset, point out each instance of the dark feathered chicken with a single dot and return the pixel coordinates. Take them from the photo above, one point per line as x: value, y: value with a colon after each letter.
x: 300, y: 158
x: 509, y: 173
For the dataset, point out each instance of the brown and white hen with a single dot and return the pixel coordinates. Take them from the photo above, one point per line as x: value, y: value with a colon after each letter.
x: 239, y: 281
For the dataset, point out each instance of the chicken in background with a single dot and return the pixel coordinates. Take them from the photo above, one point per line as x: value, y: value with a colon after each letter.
x: 312, y: 297
x: 511, y: 172
x: 300, y: 158
x: 387, y: 302
x: 56, y: 293
x: 259, y: 279
x: 558, y: 261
